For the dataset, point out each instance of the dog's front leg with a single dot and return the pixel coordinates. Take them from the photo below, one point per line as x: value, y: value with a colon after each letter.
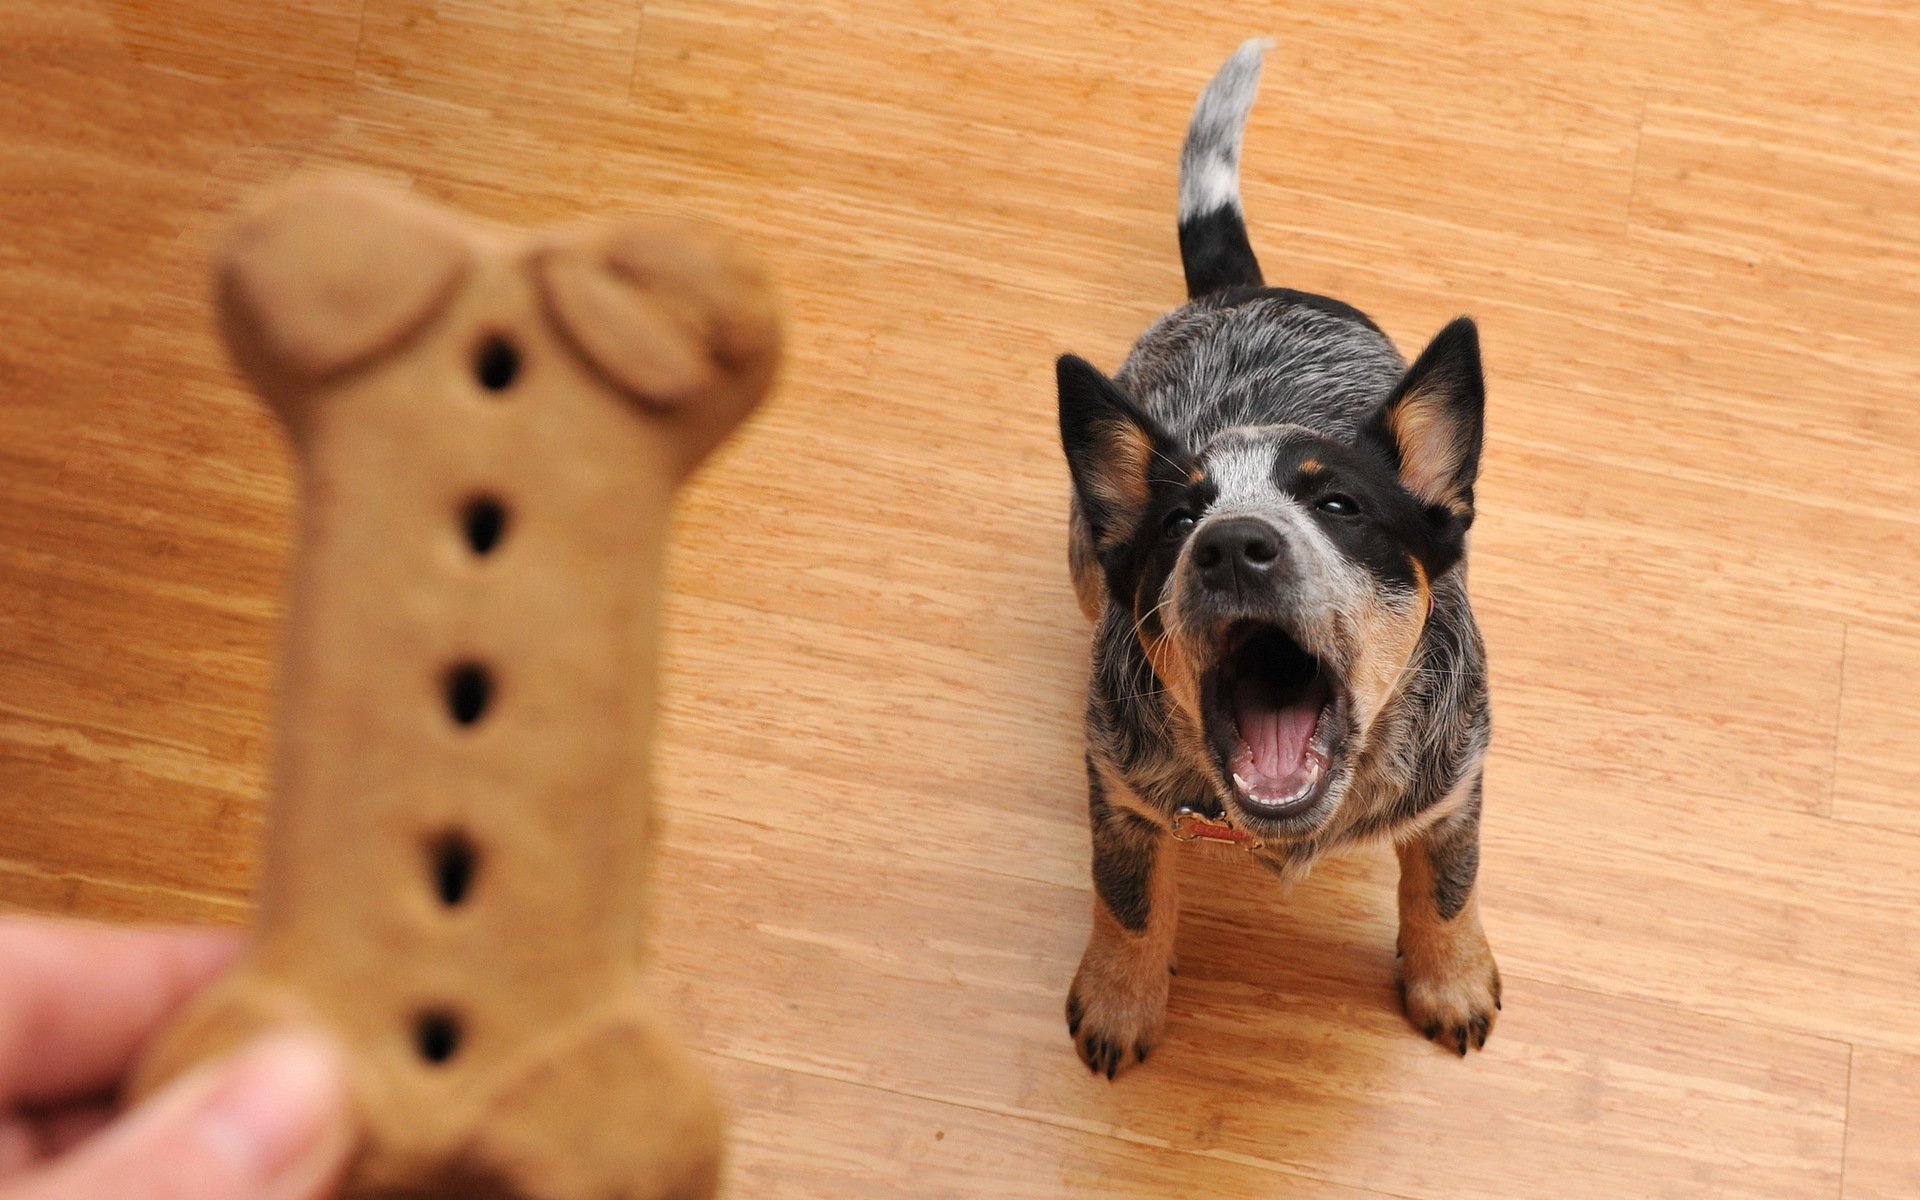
x: 1118, y: 1003
x: 1448, y: 979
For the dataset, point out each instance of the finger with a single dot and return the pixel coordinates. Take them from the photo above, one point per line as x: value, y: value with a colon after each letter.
x: 28, y: 1139
x: 269, y: 1124
x: 80, y: 1000
x: 66, y: 1129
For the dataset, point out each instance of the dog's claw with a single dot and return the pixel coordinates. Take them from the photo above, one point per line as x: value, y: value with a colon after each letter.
x: 1114, y: 1027
x: 1452, y: 1005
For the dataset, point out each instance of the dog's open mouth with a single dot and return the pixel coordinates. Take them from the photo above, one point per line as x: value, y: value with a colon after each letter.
x: 1275, y: 717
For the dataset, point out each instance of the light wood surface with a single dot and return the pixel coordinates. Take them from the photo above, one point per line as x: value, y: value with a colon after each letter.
x: 1691, y: 233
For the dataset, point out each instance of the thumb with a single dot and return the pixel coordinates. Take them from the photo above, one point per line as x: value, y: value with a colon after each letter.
x: 270, y: 1123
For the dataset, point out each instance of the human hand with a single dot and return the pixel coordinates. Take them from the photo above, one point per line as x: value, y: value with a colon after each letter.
x: 78, y: 1004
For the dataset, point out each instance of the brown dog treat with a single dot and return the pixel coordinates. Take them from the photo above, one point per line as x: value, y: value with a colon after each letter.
x: 490, y: 429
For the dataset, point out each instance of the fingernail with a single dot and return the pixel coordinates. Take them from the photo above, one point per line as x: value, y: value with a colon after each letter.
x: 273, y: 1102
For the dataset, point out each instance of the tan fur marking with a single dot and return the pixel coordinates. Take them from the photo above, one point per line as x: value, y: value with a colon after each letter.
x: 1135, y: 451
x: 1089, y: 587
x: 1430, y: 451
x: 1174, y: 668
x: 1449, y: 981
x: 1312, y: 466
x: 1118, y: 1003
x: 1383, y: 636
x: 1122, y: 484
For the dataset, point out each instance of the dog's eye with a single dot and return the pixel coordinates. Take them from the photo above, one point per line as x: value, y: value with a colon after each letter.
x: 1179, y: 525
x: 1339, y: 505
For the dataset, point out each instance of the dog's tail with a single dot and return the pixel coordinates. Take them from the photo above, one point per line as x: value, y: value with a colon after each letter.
x: 1213, y: 230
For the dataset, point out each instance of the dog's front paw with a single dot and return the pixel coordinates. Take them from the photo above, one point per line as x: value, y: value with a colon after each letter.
x: 1450, y: 988
x: 1117, y: 1008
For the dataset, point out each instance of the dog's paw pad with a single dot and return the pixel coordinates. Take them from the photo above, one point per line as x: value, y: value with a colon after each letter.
x: 1454, y: 1009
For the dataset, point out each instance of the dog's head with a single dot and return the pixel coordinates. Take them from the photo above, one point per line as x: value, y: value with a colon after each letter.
x: 1279, y: 580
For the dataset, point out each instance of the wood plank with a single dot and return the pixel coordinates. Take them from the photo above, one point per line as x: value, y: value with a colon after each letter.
x: 1883, y: 1107
x: 1687, y: 233
x: 25, y: 889
x: 1876, y: 776
x: 1703, y: 901
x: 886, y: 1143
x: 1285, y: 1045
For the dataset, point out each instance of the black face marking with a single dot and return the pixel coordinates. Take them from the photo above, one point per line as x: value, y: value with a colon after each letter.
x: 1155, y: 550
x: 1360, y: 506
x: 1353, y: 495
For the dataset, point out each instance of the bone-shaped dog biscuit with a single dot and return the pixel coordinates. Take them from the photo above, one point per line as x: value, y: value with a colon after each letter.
x: 490, y: 429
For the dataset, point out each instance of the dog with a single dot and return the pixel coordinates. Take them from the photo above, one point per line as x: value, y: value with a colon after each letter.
x: 1269, y: 533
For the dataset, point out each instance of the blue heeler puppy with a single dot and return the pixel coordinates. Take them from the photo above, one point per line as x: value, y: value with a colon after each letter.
x: 1269, y: 533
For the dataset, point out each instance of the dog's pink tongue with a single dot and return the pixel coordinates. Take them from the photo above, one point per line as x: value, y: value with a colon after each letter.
x: 1277, y: 735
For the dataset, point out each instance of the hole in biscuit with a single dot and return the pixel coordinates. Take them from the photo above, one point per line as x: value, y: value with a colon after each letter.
x: 454, y: 863
x: 436, y: 1035
x: 485, y: 522
x: 469, y: 687
x: 497, y: 364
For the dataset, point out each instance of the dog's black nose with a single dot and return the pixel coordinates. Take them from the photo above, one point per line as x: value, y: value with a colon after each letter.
x: 1241, y: 549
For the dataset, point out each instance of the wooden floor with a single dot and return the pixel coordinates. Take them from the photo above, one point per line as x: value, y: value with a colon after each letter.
x: 1691, y: 233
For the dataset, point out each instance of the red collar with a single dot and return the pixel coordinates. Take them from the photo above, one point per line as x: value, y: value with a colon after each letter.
x: 1190, y: 826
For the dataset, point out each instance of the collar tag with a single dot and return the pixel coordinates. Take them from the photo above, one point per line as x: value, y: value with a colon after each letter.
x: 1190, y: 826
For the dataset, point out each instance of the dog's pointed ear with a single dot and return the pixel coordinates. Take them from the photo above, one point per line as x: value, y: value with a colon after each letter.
x: 332, y: 274
x: 1114, y: 449
x: 1432, y: 427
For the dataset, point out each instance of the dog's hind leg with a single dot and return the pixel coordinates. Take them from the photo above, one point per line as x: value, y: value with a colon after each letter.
x: 1448, y: 979
x: 1118, y: 1004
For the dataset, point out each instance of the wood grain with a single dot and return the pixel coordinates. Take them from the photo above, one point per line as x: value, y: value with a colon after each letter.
x: 1881, y: 1163
x: 1690, y: 236
x: 1876, y: 774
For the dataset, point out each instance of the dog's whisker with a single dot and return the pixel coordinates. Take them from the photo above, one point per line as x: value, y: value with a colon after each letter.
x: 1159, y: 454
x: 1140, y: 695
